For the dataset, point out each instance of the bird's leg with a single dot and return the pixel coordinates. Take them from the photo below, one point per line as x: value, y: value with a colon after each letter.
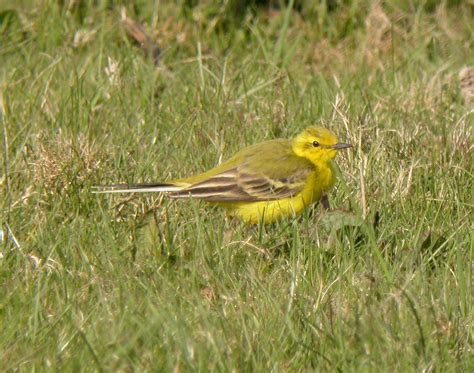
x: 325, y: 202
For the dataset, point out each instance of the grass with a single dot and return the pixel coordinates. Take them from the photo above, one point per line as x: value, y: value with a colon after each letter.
x: 92, y: 282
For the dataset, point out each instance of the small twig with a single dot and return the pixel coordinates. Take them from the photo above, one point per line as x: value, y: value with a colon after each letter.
x: 251, y: 245
x: 11, y: 236
x: 138, y: 33
x: 7, y: 235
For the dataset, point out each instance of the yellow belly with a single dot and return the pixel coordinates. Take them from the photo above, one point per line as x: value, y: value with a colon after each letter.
x: 270, y: 211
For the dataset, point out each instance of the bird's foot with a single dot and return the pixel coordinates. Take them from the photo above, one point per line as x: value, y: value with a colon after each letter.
x: 325, y: 202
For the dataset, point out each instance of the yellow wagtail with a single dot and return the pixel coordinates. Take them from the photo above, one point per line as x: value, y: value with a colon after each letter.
x: 266, y: 181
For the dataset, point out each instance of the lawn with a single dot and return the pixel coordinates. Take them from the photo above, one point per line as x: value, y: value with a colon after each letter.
x: 381, y: 282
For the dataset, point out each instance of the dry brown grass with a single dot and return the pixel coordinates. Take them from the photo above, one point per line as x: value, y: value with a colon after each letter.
x: 466, y: 80
x: 60, y: 161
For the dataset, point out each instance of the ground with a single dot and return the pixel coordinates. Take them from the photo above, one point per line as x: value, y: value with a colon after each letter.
x: 383, y: 281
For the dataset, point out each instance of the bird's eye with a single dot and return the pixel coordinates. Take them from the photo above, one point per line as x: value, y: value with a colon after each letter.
x: 315, y: 144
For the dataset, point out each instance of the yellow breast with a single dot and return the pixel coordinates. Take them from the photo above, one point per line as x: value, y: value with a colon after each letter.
x: 317, y: 183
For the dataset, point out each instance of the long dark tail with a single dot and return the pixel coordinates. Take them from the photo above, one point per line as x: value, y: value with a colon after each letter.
x: 135, y: 188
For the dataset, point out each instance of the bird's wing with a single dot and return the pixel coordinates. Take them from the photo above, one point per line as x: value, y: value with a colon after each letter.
x: 263, y: 172
x: 261, y: 176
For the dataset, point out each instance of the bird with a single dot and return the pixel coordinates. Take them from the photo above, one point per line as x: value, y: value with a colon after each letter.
x: 265, y: 182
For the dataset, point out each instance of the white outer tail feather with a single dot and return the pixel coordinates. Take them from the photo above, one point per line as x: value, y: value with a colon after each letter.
x: 132, y: 189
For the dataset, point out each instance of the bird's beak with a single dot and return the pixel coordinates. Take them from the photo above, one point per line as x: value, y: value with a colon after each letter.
x: 341, y: 145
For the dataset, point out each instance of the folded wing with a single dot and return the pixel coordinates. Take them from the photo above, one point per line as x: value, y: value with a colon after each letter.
x: 243, y: 185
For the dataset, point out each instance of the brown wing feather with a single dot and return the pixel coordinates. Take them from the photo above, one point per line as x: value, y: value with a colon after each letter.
x: 242, y: 185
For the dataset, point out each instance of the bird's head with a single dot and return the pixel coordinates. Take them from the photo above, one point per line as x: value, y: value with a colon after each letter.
x: 317, y: 144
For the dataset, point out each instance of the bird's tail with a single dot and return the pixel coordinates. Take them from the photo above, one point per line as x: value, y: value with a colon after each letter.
x: 135, y: 188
